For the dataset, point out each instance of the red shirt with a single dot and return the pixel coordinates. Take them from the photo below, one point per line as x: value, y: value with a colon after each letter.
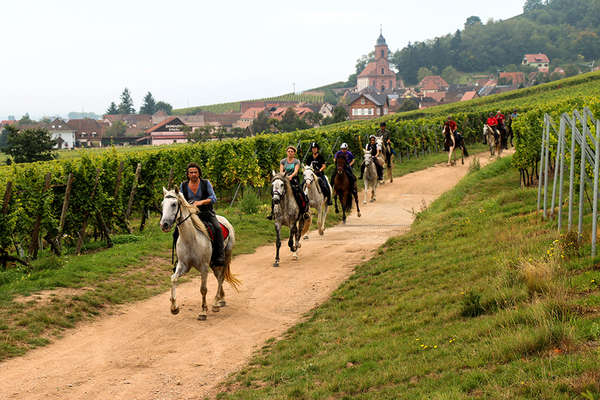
x: 492, y: 121
x: 500, y: 118
x: 452, y: 125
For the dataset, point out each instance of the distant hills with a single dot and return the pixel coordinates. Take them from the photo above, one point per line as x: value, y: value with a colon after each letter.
x: 567, y: 31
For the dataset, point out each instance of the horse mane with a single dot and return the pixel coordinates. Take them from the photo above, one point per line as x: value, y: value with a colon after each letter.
x: 192, y: 209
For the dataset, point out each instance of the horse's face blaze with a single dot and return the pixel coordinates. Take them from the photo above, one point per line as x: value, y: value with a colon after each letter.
x: 278, y: 191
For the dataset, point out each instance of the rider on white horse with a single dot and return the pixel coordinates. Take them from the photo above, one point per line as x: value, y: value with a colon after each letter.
x: 375, y: 151
x: 318, y: 164
x: 291, y: 167
x: 199, y: 192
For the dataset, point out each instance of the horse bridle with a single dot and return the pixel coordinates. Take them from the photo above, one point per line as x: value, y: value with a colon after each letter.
x: 178, y: 213
x: 273, y: 191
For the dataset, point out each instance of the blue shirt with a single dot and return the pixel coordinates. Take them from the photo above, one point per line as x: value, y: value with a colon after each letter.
x: 349, y: 156
x: 199, y: 195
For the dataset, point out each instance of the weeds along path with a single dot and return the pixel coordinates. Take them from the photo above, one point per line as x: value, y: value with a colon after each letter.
x: 144, y: 352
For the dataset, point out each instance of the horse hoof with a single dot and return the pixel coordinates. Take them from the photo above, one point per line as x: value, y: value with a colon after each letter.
x: 364, y: 202
x: 295, y: 256
x: 222, y: 303
x: 305, y: 237
x: 215, y: 308
x: 372, y: 200
x: 201, y: 317
x: 358, y: 215
x: 344, y: 221
x: 321, y: 232
x: 175, y: 311
x: 276, y: 264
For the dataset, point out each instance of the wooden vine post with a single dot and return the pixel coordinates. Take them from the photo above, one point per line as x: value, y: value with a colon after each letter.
x: 35, y: 236
x: 170, y: 183
x: 138, y: 172
x: 7, y: 195
x: 63, y: 213
x: 86, y: 216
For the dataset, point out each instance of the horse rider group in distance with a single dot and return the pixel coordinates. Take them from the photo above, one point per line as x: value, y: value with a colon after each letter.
x: 501, y: 127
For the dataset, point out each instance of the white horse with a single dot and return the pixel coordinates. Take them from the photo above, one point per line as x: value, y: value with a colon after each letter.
x: 194, y: 248
x: 384, y: 155
x: 370, y: 176
x: 493, y: 140
x: 316, y: 197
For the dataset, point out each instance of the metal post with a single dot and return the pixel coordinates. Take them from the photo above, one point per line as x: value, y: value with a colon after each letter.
x: 541, y: 162
x: 556, y: 161
x: 572, y: 173
x: 595, y: 205
x: 562, y: 139
x: 546, y: 167
x: 582, y: 179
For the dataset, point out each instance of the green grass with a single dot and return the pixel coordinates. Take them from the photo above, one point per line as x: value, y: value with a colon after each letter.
x: 137, y: 267
x: 400, y: 326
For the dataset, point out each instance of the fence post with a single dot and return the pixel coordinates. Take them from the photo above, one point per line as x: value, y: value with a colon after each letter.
x: 546, y: 167
x: 63, y: 213
x: 7, y: 195
x: 595, y: 205
x: 138, y: 171
x: 572, y: 172
x: 582, y: 179
x: 562, y: 169
x: 555, y: 180
x: 170, y: 182
x: 34, y: 245
x: 118, y: 180
x: 539, y: 198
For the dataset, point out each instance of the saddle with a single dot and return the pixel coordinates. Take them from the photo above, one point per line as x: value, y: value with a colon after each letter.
x: 211, y: 233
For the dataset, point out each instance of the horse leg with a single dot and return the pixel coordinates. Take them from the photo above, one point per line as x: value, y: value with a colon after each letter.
x: 293, y: 231
x: 462, y: 155
x: 220, y: 275
x: 366, y: 182
x: 335, y: 200
x: 356, y: 200
x: 323, y: 213
x: 179, y: 271
x: 320, y: 216
x: 203, y: 291
x: 277, y: 244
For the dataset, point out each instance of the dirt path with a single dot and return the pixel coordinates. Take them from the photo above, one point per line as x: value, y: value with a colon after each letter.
x: 144, y: 352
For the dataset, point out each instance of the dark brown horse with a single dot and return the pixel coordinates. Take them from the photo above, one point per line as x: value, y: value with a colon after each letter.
x: 343, y: 188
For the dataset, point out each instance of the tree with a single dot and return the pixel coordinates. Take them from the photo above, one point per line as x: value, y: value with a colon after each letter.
x: 112, y: 109
x: 339, y: 114
x: 117, y: 129
x: 532, y: 5
x: 25, y: 120
x: 149, y: 106
x: 163, y: 106
x: 409, y: 104
x: 472, y: 21
x: 260, y: 123
x: 29, y: 145
x: 450, y: 74
x: 200, y: 134
x: 126, y: 105
x: 313, y: 118
x: 423, y: 72
x: 571, y: 70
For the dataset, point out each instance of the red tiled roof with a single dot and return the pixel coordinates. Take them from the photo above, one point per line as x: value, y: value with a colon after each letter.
x: 536, y: 58
x: 252, y: 113
x: 516, y: 77
x: 370, y: 69
x: 470, y: 95
x: 433, y: 82
x: 437, y: 96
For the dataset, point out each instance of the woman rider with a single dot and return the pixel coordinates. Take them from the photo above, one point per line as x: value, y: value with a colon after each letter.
x: 318, y: 164
x: 375, y: 151
x: 290, y: 166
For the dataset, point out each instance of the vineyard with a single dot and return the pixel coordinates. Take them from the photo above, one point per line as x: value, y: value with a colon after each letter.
x: 65, y: 203
x: 236, y: 105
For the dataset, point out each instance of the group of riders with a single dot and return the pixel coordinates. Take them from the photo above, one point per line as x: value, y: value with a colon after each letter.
x: 199, y: 192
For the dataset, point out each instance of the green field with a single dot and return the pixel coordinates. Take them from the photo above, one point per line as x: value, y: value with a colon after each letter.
x: 481, y: 299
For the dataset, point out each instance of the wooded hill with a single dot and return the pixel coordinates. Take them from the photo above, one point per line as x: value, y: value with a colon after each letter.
x: 567, y: 31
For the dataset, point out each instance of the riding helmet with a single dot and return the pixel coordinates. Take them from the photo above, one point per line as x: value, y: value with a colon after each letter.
x: 315, y: 144
x: 344, y: 146
x: 372, y: 137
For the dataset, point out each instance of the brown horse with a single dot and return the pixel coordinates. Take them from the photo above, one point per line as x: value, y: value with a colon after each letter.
x: 342, y: 188
x: 452, y: 141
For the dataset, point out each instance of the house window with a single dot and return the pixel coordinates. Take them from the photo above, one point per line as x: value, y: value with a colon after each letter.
x: 378, y: 111
x: 362, y: 101
x: 354, y: 111
x: 370, y: 111
x: 385, y: 111
x: 390, y: 83
x: 382, y: 71
x: 382, y: 88
x: 382, y: 53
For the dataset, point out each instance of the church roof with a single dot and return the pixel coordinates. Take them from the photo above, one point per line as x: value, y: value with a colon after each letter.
x: 381, y: 40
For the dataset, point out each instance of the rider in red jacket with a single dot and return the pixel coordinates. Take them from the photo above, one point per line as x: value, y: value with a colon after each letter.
x: 492, y: 121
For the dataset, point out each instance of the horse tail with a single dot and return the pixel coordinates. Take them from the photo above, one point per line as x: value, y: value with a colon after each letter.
x: 229, y: 277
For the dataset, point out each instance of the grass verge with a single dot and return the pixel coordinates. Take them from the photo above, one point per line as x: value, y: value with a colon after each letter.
x: 481, y: 299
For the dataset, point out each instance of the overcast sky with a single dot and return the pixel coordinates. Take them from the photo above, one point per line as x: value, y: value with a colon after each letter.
x: 66, y: 55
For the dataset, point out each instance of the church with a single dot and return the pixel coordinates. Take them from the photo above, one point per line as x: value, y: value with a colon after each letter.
x: 377, y: 74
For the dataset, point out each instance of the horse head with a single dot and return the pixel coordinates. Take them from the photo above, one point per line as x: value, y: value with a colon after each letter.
x: 368, y: 157
x: 309, y: 174
x: 340, y: 164
x: 170, y: 209
x: 278, y: 187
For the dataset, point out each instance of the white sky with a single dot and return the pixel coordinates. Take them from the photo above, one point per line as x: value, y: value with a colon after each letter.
x: 66, y: 55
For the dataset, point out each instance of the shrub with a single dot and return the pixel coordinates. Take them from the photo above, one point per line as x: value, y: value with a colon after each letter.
x: 250, y: 202
x: 471, y: 305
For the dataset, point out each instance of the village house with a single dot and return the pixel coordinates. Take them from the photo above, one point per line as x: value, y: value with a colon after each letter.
x: 470, y: 95
x: 62, y: 133
x: 540, y: 61
x: 512, y: 78
x: 431, y: 84
x: 367, y: 105
x: 377, y: 74
x: 88, y: 132
x: 248, y: 117
x: 326, y: 110
x: 169, y: 131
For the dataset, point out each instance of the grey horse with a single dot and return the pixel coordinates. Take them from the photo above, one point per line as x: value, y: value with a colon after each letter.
x: 316, y: 197
x: 194, y: 248
x: 370, y: 176
x: 490, y: 137
x: 287, y: 213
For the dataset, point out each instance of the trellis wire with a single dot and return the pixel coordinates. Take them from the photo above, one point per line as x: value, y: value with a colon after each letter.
x: 588, y: 155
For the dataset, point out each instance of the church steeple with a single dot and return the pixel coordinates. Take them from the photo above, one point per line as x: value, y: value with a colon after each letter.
x: 381, y: 48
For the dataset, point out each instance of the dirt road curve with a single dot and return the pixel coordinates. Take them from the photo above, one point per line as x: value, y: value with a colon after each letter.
x: 144, y: 352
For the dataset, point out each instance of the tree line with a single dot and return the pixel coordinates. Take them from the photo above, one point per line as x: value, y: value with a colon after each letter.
x: 150, y: 105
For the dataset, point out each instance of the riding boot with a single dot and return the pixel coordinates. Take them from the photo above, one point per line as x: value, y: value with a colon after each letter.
x: 362, y: 170
x: 218, y: 256
x: 379, y: 169
x: 325, y: 189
